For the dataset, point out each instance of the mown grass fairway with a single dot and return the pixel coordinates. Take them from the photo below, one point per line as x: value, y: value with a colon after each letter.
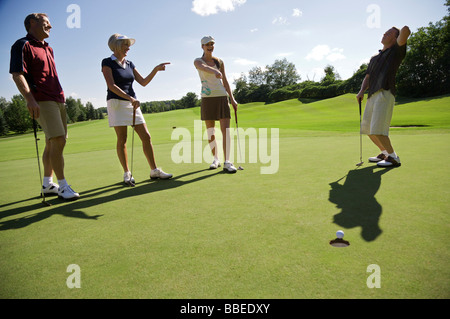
x: 205, y: 234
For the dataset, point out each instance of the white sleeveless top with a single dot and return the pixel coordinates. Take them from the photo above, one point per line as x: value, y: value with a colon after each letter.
x: 211, y: 86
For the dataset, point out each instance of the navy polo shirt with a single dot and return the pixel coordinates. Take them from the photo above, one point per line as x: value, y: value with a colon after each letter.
x: 123, y: 77
x: 36, y: 61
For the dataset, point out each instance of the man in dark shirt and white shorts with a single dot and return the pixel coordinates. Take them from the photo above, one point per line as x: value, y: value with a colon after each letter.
x: 380, y: 80
x: 33, y: 70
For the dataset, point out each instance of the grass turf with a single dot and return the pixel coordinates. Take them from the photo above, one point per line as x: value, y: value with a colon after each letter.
x: 205, y: 234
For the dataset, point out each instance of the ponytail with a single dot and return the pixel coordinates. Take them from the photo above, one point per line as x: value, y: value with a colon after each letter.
x: 216, y: 61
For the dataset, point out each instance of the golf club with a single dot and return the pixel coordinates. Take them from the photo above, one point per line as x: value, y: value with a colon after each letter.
x: 39, y: 163
x: 239, y: 143
x: 131, y: 183
x: 360, y: 137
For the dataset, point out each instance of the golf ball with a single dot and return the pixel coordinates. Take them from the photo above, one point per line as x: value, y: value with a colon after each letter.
x: 340, y: 234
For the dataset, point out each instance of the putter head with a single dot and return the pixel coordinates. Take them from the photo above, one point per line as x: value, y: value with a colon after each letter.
x: 46, y: 203
x: 360, y: 164
x: 240, y: 168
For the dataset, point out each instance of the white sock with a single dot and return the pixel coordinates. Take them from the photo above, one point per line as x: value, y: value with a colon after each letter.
x: 62, y: 182
x: 393, y: 155
x: 47, y: 181
x: 385, y: 153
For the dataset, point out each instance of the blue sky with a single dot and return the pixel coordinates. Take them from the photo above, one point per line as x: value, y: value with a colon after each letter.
x: 248, y: 33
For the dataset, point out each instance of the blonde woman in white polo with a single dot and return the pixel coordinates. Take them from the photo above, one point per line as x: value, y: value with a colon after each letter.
x: 215, y: 94
x: 120, y: 74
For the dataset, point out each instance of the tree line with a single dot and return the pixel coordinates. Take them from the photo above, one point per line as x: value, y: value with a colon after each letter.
x: 187, y: 101
x: 15, y: 118
x: 280, y: 82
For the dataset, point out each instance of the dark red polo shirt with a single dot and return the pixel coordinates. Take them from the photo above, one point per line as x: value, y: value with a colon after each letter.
x: 35, y: 59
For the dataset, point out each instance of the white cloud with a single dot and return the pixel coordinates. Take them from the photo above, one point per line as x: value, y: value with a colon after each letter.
x: 254, y: 30
x: 284, y: 54
x: 366, y: 61
x: 315, y: 74
x: 297, y: 13
x: 208, y: 7
x: 234, y: 76
x: 295, y: 32
x: 336, y: 55
x: 280, y: 21
x: 321, y: 52
x: 245, y: 62
x: 318, y: 53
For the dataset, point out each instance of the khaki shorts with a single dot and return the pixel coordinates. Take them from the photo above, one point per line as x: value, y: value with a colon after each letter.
x: 53, y: 119
x: 378, y: 113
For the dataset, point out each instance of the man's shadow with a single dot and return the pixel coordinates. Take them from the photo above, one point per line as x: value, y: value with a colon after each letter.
x: 356, y: 199
x: 90, y: 199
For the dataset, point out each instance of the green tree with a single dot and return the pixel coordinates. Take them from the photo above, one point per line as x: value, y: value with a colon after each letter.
x: 353, y: 84
x: 331, y: 76
x: 145, y: 107
x: 241, y: 90
x: 90, y: 112
x: 425, y: 69
x: 261, y: 82
x: 281, y: 73
x: 82, y: 115
x: 99, y: 114
x: 17, y: 116
x: 189, y: 100
x: 3, y: 125
x: 73, y: 111
x: 257, y: 76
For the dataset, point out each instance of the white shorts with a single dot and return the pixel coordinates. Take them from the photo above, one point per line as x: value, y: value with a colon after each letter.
x: 378, y: 113
x: 120, y: 113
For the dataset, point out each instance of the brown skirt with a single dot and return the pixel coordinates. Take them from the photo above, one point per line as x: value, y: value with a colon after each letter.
x: 215, y: 108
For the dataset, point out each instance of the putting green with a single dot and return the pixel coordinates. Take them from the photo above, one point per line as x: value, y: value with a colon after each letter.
x: 206, y: 234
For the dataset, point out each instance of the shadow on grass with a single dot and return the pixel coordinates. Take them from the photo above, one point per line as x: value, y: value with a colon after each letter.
x: 89, y: 199
x: 356, y: 199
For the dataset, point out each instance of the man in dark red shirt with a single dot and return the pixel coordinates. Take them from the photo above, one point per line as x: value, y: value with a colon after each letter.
x: 33, y: 69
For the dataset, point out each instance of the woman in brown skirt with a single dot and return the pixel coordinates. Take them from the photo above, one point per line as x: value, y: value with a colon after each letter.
x: 215, y: 93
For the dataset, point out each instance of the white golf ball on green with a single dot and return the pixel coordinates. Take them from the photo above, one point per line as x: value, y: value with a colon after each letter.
x: 340, y: 234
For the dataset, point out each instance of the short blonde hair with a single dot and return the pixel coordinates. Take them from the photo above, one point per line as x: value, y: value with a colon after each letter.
x: 115, y: 41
